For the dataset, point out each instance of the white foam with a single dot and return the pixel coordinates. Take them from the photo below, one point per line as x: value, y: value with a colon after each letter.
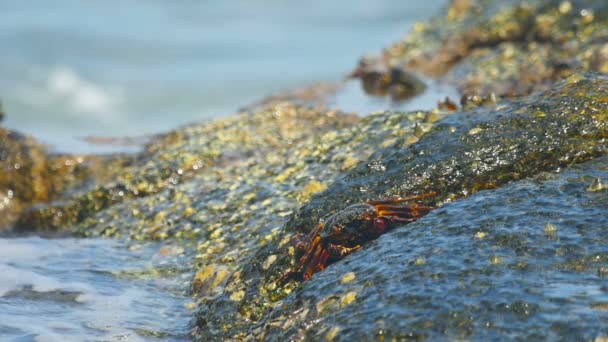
x: 81, y: 95
x: 12, y: 279
x: 105, y: 306
x: 17, y: 257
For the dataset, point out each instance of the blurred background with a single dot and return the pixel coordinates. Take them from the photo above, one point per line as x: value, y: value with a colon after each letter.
x: 73, y: 68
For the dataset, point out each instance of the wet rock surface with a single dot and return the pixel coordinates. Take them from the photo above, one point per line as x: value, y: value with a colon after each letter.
x: 521, y: 262
x: 204, y: 149
x: 479, y: 149
x: 29, y: 175
x: 516, y: 249
x: 459, y: 155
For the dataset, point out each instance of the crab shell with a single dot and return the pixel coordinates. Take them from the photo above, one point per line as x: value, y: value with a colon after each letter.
x: 353, y: 225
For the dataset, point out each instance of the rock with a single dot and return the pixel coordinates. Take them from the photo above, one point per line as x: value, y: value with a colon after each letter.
x: 377, y: 80
x: 149, y: 186
x: 506, y: 47
x: 29, y: 175
x: 462, y: 154
x: 460, y: 291
x: 480, y: 149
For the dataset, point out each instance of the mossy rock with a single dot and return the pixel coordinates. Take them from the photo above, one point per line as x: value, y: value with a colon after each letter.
x: 462, y: 154
x: 506, y: 47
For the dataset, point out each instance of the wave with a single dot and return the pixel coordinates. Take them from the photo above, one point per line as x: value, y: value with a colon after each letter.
x: 80, y: 94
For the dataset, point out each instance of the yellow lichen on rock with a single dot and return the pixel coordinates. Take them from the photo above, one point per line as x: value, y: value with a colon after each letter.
x: 348, y: 277
x: 310, y: 189
x: 348, y: 298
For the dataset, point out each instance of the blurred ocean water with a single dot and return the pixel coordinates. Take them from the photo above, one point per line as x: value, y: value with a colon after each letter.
x: 112, y: 68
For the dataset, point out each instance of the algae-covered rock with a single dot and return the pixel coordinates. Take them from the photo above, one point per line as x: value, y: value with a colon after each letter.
x: 247, y: 238
x: 480, y: 149
x: 318, y: 96
x: 507, y: 47
x: 182, y: 154
x: 481, y: 268
x: 265, y: 165
x: 29, y: 175
x: 455, y: 157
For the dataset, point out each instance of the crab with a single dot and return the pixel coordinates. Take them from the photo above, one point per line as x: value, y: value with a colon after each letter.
x: 342, y: 233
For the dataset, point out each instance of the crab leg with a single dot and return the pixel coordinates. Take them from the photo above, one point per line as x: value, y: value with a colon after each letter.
x: 305, y: 263
x: 384, y: 210
x: 413, y: 214
x: 314, y: 264
x: 339, y: 252
x: 313, y: 246
x: 395, y: 218
x: 404, y: 208
x: 313, y: 233
x: 401, y: 200
x: 323, y: 260
x: 310, y: 237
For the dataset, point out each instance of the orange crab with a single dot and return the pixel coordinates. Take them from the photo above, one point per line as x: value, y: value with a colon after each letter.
x: 343, y: 232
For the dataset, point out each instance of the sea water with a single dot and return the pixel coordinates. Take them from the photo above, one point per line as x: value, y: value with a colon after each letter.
x: 90, y: 290
x: 72, y: 69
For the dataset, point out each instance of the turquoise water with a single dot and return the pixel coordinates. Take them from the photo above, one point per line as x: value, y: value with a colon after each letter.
x: 111, y: 68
